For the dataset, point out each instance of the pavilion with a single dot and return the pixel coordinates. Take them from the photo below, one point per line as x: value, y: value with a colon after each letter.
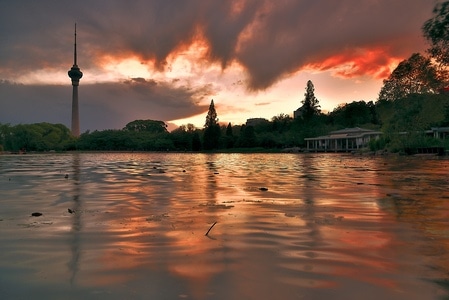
x: 344, y: 140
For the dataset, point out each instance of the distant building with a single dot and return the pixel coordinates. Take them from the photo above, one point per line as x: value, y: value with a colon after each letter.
x: 298, y: 113
x: 347, y: 139
x: 256, y: 121
x: 441, y: 133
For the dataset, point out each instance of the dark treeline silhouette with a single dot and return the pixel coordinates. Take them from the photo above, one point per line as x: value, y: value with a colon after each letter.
x: 414, y: 98
x: 414, y: 113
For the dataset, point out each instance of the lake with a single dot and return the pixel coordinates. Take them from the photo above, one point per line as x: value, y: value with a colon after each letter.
x: 279, y: 226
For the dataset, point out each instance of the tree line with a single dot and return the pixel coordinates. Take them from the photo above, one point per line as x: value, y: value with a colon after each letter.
x: 414, y: 113
x: 412, y: 99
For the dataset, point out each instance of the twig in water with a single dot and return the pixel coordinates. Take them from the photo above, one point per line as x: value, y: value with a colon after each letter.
x: 210, y: 228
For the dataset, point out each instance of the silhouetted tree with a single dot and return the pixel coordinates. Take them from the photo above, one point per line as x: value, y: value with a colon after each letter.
x: 212, y: 131
x: 281, y: 122
x: 211, y: 118
x: 229, y: 137
x: 229, y: 130
x: 146, y: 126
x: 445, y: 121
x: 310, y: 105
x: 415, y: 75
x: 247, y: 137
x: 353, y: 114
x: 436, y: 31
x: 196, y: 141
x: 182, y: 139
x: 35, y: 137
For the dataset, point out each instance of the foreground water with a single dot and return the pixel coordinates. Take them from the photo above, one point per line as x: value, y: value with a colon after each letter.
x: 289, y: 226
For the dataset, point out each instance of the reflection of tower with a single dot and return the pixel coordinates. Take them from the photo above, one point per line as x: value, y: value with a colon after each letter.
x: 77, y: 225
x: 75, y: 74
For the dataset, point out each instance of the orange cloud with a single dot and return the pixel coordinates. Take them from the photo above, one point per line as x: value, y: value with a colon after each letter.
x: 375, y: 62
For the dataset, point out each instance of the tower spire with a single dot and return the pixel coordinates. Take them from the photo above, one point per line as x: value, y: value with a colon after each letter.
x: 74, y: 53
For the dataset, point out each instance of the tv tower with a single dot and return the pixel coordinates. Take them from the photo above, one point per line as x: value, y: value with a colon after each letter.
x: 75, y: 74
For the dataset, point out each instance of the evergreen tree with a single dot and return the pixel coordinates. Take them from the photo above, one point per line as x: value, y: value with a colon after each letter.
x: 310, y: 104
x: 211, y: 118
x: 229, y: 138
x: 229, y: 130
x: 212, y: 130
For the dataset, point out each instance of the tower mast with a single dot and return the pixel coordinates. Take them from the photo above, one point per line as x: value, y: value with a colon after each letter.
x: 74, y: 52
x: 75, y: 74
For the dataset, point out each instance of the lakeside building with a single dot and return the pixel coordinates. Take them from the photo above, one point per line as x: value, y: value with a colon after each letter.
x: 343, y: 140
x: 438, y: 132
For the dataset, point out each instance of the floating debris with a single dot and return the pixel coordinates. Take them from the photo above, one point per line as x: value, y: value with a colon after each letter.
x: 66, y: 176
x: 210, y: 228
x: 70, y: 211
x: 328, y: 219
x: 157, y: 218
x: 263, y: 189
x: 216, y: 206
x: 36, y: 214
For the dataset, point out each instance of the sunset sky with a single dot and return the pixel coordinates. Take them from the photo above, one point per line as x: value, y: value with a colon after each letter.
x: 166, y: 59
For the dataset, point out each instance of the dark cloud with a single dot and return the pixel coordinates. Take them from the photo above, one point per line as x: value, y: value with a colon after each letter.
x: 269, y: 38
x: 289, y: 35
x: 102, y: 106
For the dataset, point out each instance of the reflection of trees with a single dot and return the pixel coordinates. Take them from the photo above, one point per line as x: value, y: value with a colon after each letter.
x: 211, y: 182
x: 76, y: 219
x: 308, y: 195
x: 416, y: 196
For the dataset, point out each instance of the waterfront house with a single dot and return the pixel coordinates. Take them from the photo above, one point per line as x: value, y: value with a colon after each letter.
x: 438, y: 132
x: 344, y: 140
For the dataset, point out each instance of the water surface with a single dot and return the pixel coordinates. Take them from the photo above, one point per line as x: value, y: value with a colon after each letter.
x: 288, y: 226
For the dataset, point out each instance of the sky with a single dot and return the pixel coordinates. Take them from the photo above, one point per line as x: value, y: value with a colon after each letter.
x: 167, y: 59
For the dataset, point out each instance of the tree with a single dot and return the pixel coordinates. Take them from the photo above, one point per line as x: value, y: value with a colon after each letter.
x: 196, y: 141
x: 35, y: 137
x: 310, y: 105
x: 212, y: 130
x: 183, y: 136
x: 436, y: 31
x: 229, y: 137
x: 415, y: 75
x: 211, y: 118
x: 281, y: 123
x: 146, y: 126
x: 353, y: 114
x: 247, y: 137
x: 182, y: 139
x: 229, y: 130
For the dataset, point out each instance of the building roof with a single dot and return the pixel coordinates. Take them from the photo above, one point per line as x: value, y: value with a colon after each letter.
x: 351, y: 131
x: 354, y: 132
x: 439, y: 129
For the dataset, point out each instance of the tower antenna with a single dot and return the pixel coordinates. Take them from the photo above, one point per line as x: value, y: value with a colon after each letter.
x: 74, y: 53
